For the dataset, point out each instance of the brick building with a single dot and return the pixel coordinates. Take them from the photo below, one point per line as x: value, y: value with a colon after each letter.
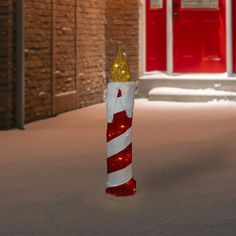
x: 67, y: 52
x: 186, y: 47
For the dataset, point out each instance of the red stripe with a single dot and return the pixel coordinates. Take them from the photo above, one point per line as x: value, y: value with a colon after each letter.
x: 119, y: 93
x: 125, y: 189
x: 120, y: 124
x: 120, y: 160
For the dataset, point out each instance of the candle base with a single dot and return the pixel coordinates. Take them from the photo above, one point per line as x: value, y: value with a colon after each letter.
x: 126, y: 189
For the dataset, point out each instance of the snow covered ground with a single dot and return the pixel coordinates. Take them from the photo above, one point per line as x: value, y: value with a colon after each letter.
x: 52, y: 174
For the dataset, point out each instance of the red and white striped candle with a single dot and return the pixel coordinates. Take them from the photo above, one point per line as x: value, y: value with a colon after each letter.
x: 120, y: 103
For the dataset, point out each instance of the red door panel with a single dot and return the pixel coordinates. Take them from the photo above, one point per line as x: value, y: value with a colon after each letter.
x: 155, y: 37
x: 234, y: 36
x: 199, y: 37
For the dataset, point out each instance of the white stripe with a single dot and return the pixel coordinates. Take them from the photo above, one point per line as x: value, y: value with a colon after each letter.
x: 119, y: 177
x: 119, y: 106
x: 116, y: 104
x: 119, y: 143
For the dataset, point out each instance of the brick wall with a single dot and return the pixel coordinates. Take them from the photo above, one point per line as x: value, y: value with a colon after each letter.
x: 65, y: 55
x: 38, y: 61
x: 6, y: 63
x: 91, y: 51
x: 69, y: 46
x: 122, y: 28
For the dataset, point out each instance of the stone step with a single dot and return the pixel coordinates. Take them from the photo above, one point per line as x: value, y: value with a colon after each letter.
x: 189, y: 81
x: 189, y: 95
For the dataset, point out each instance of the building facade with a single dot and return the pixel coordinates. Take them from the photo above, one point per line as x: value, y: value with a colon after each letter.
x: 69, y: 47
x: 67, y: 51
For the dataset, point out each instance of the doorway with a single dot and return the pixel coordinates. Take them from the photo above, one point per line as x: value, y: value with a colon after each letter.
x: 198, y: 31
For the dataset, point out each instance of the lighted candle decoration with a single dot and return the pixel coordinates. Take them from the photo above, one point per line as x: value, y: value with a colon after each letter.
x: 120, y: 103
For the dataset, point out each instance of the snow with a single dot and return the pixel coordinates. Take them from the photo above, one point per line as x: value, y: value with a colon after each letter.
x: 217, y: 85
x: 52, y: 175
x: 61, y: 94
x: 182, y: 91
x: 187, y: 76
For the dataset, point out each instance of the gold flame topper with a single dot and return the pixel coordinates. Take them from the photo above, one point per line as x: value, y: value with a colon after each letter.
x: 120, y: 71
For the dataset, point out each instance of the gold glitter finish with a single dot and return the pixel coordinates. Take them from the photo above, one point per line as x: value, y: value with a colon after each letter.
x: 120, y: 71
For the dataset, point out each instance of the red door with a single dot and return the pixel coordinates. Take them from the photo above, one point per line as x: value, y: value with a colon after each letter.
x: 234, y: 36
x: 199, y: 33
x: 156, y: 35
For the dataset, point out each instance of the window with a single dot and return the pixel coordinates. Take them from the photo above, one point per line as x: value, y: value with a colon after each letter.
x: 156, y: 4
x: 199, y: 3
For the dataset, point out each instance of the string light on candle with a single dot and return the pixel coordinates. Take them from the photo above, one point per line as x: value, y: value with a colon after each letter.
x: 120, y: 71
